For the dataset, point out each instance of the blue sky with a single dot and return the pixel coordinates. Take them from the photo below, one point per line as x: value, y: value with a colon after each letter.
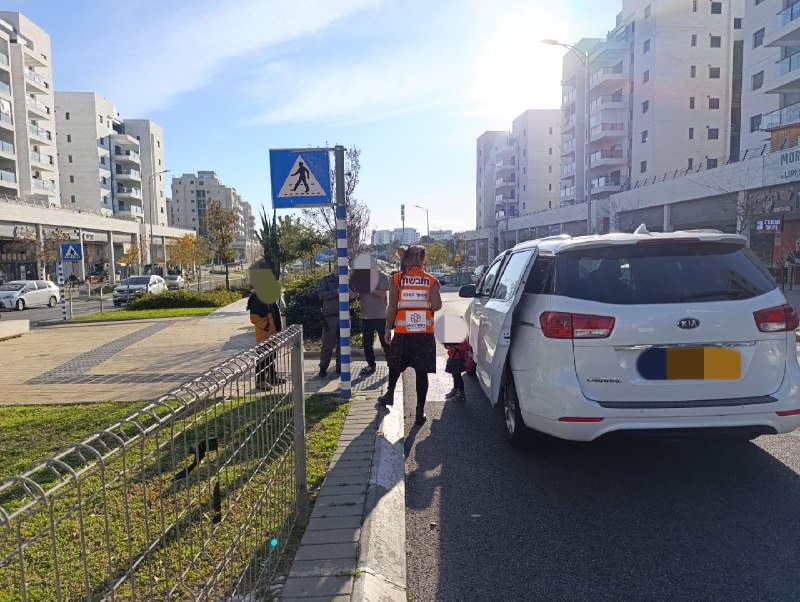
x: 413, y: 83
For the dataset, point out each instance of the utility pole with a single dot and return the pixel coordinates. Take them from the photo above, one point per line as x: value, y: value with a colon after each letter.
x: 403, y: 222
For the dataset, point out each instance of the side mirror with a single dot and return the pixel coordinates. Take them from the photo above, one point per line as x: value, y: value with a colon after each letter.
x: 467, y: 291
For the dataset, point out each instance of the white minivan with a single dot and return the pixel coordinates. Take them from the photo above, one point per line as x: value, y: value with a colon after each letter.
x: 582, y: 337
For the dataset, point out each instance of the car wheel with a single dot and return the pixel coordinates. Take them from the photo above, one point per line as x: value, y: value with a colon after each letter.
x: 20, y: 304
x: 52, y: 302
x: 516, y: 431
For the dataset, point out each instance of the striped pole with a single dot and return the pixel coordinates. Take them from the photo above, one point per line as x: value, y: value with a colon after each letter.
x: 344, y: 298
x: 61, y: 290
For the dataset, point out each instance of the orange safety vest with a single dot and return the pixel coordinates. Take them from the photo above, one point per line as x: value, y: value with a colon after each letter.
x: 414, y: 315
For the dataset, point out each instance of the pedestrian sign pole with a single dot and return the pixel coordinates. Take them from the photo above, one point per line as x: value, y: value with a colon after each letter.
x: 344, y: 273
x: 61, y: 290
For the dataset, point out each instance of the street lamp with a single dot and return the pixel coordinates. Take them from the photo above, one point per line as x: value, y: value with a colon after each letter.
x: 152, y: 193
x: 583, y: 55
x: 427, y: 221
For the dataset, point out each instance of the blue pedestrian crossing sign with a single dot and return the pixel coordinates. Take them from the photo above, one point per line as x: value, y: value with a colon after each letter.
x: 71, y: 251
x: 300, y: 178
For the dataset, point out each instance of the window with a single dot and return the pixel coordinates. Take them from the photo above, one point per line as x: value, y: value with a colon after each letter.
x: 694, y: 39
x: 512, y: 276
x: 692, y: 71
x: 645, y: 106
x: 691, y: 133
x: 67, y: 116
x: 711, y: 163
x: 716, y: 8
x: 716, y: 41
x: 103, y: 160
x: 72, y: 198
x: 551, y: 130
x: 158, y: 143
x: 159, y: 162
x: 691, y: 102
x: 524, y: 152
x: 755, y: 123
x: 549, y: 187
x: 69, y: 158
x: 101, y: 118
x: 646, y: 46
x: 737, y: 21
x: 713, y: 103
x: 758, y: 80
x: 759, y: 2
x: 72, y: 179
x: 690, y: 163
x: 713, y: 133
x: 647, y: 12
x: 644, y: 136
x: 646, y: 76
x: 69, y: 137
x: 758, y: 38
x: 104, y: 179
x: 550, y: 151
x: 487, y: 283
x: 643, y: 167
x: 713, y: 72
x: 549, y: 169
x: 105, y: 200
x: 694, y: 6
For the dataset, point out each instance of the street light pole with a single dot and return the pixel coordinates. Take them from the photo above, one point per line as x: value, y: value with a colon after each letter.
x: 583, y: 55
x: 427, y: 221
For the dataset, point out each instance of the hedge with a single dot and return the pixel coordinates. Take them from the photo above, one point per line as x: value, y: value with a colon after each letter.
x: 185, y: 298
x: 303, y: 306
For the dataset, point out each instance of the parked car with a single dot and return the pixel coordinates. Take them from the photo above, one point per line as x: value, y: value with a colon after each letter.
x: 135, y: 286
x: 478, y: 273
x: 19, y: 294
x: 667, y: 332
x: 176, y: 282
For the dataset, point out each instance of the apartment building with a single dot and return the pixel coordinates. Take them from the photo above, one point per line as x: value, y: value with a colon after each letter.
x: 488, y: 147
x: 28, y: 161
x: 191, y: 194
x: 150, y: 138
x: 381, y: 238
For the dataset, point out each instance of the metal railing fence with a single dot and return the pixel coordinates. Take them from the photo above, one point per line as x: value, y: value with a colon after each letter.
x: 192, y: 497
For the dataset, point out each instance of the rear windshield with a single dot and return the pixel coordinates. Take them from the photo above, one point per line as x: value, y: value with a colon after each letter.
x: 134, y: 281
x: 682, y: 272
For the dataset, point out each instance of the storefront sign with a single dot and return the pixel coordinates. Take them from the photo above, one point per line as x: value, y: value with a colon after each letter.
x: 25, y: 232
x: 769, y: 226
x: 772, y: 201
x: 555, y: 229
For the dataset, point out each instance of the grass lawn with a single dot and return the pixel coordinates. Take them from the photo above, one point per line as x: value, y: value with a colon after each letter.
x: 140, y: 314
x: 243, y: 427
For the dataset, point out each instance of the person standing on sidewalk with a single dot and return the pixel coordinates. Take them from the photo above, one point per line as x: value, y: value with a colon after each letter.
x: 266, y: 318
x: 373, y: 319
x: 414, y: 296
x: 328, y: 290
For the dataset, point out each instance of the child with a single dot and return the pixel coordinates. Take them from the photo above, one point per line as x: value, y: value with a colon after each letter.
x: 459, y: 359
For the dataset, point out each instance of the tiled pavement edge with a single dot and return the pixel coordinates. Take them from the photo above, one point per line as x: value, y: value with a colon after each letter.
x: 354, y: 545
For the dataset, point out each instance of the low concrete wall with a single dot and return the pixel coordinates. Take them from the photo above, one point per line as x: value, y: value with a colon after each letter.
x: 13, y: 328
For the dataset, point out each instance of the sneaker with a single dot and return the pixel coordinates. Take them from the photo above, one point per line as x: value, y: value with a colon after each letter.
x: 367, y: 370
x: 452, y: 393
x: 322, y: 374
x: 421, y: 418
x: 387, y: 399
x: 459, y: 396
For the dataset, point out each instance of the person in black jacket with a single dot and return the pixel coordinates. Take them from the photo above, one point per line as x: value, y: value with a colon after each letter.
x: 266, y: 317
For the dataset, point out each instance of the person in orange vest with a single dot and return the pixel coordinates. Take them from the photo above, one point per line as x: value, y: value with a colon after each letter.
x: 414, y: 296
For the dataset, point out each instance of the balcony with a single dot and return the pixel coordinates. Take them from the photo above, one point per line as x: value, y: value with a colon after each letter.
x: 36, y: 81
x: 8, y: 176
x: 37, y: 106
x: 787, y: 32
x: 787, y: 72
x: 5, y: 88
x: 504, y: 167
x: 607, y: 77
x: 567, y: 194
x: 608, y: 157
x: 6, y: 121
x: 128, y: 193
x: 42, y: 161
x: 126, y: 156
x: 134, y: 211
x: 48, y: 185
x: 568, y: 124
x: 607, y: 130
x: 788, y: 115
x: 609, y: 184
x: 568, y: 99
x: 4, y: 61
x: 568, y: 147
x: 568, y: 169
x: 130, y: 175
x: 39, y: 132
x: 7, y: 148
x: 608, y: 101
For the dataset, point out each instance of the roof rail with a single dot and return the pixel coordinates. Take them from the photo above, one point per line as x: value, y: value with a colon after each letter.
x: 557, y: 237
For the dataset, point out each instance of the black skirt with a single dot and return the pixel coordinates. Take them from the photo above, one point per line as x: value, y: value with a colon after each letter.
x: 417, y: 351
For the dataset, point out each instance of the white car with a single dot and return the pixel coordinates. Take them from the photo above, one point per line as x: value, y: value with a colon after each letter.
x: 135, y: 286
x: 176, y: 282
x: 19, y: 294
x: 582, y: 337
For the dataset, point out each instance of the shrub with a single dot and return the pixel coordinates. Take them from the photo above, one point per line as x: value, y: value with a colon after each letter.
x: 185, y: 298
x: 303, y: 306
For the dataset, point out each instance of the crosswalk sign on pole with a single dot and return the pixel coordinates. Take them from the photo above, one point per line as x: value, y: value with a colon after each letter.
x: 71, y: 251
x: 300, y: 178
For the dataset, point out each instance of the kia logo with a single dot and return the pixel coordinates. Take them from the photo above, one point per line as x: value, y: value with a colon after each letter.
x: 688, y: 323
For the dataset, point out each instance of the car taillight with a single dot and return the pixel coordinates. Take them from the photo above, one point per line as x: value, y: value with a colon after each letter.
x: 776, y: 319
x: 559, y: 325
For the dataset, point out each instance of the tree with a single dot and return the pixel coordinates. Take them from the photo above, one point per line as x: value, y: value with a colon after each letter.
x: 299, y: 240
x: 426, y: 240
x: 358, y: 214
x: 436, y: 254
x: 269, y: 237
x: 201, y: 252
x: 221, y: 225
x: 130, y: 257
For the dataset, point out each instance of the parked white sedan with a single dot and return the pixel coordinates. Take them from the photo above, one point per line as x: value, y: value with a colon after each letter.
x: 19, y: 294
x: 686, y: 331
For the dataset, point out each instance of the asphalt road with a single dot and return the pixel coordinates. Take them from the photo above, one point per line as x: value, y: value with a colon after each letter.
x: 635, y: 520
x: 80, y: 307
